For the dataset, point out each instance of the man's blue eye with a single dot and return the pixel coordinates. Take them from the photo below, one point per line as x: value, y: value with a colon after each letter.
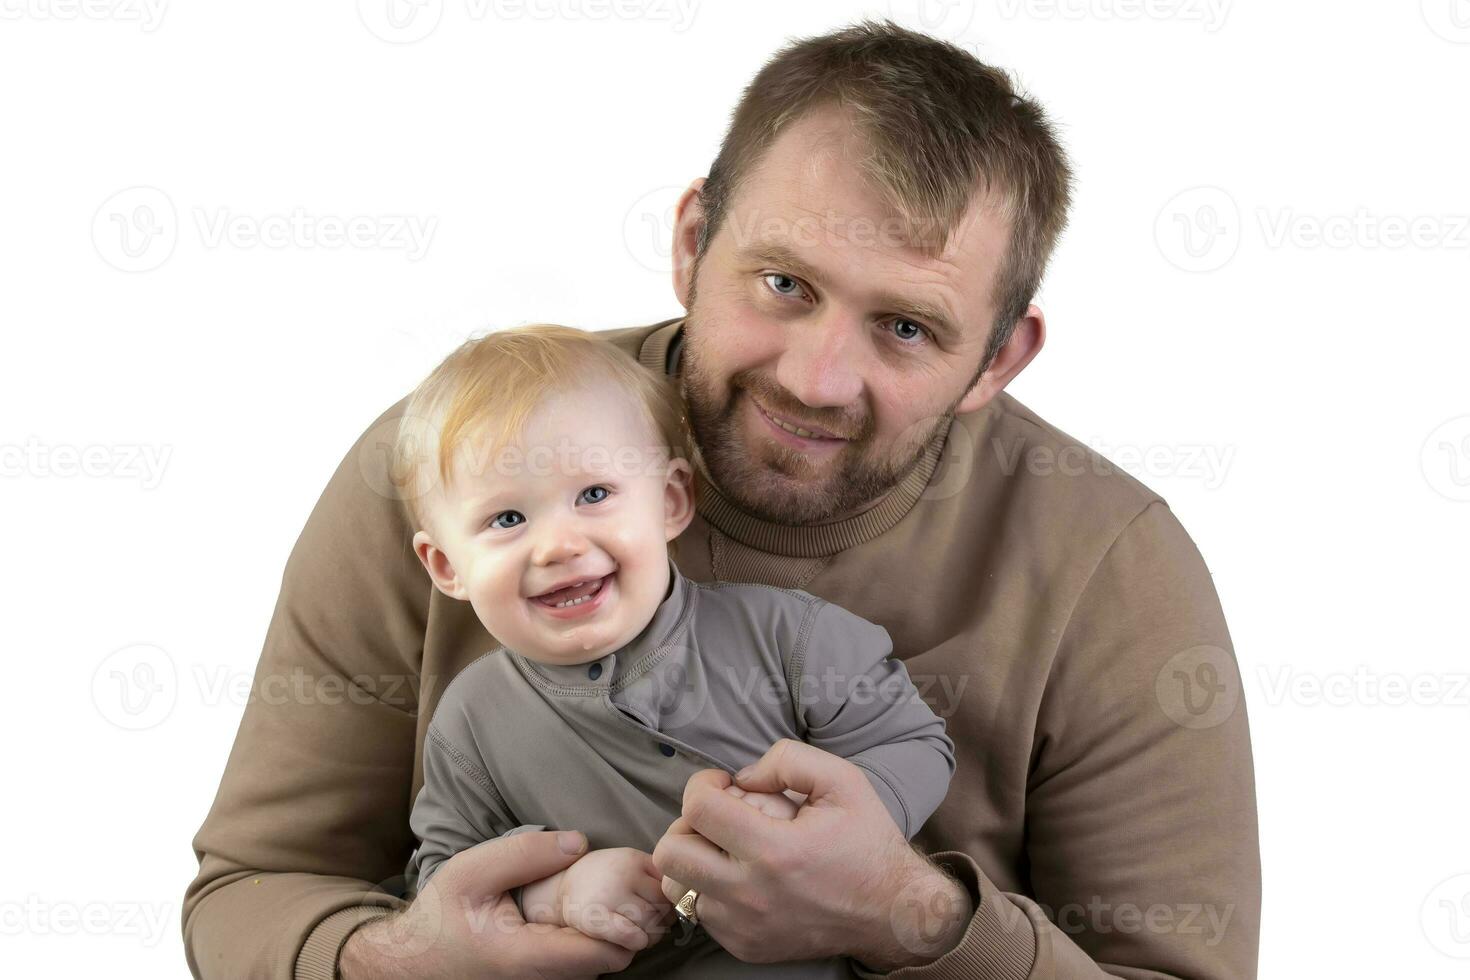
x: 919, y: 331
x: 599, y: 499
x: 494, y: 522
x: 777, y: 275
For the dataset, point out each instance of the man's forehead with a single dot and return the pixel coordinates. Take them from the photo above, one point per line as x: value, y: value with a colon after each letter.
x: 843, y: 210
x: 809, y: 203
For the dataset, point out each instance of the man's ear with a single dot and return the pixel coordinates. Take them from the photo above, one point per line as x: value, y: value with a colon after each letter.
x: 436, y: 563
x: 678, y: 498
x: 688, y: 220
x: 1025, y: 343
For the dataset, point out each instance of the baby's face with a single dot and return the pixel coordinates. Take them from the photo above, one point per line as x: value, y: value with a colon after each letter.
x: 586, y: 497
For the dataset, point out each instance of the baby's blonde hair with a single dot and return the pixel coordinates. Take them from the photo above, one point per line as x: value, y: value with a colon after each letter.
x: 486, y: 390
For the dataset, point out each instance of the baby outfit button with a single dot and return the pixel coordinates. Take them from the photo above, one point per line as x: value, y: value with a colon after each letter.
x: 595, y: 671
x: 666, y: 749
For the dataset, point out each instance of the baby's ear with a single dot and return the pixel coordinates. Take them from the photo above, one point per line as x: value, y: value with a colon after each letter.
x: 678, y: 498
x: 436, y: 563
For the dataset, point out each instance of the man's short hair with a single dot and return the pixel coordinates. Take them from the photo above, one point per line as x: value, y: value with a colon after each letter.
x: 941, y: 125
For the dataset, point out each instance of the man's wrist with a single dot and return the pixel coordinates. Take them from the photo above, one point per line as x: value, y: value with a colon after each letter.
x: 927, y: 916
x: 359, y: 959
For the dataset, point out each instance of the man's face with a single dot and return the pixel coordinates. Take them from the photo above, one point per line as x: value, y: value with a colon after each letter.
x: 585, y: 496
x: 811, y: 308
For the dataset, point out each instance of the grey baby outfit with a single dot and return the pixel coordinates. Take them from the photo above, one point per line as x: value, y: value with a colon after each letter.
x: 720, y: 673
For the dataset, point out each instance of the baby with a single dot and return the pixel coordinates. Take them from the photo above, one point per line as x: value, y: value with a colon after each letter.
x: 547, y: 476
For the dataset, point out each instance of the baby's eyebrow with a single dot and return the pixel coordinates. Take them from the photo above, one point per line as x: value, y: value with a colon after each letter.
x: 485, y: 500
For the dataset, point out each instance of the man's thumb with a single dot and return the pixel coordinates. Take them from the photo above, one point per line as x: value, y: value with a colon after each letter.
x: 793, y: 765
x: 503, y: 863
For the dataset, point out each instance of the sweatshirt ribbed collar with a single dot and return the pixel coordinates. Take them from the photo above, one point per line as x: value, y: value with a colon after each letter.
x: 794, y: 541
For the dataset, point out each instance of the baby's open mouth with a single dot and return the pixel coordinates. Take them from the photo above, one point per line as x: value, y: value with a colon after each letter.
x: 573, y: 595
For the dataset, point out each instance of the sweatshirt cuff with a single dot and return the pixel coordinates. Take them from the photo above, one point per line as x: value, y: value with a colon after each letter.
x: 998, y: 943
x: 318, y: 957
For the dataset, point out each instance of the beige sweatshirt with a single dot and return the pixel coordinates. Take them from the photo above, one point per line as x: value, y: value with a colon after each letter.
x: 1048, y: 606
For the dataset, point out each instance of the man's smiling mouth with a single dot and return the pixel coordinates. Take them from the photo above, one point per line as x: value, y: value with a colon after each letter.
x: 797, y: 437
x: 816, y: 435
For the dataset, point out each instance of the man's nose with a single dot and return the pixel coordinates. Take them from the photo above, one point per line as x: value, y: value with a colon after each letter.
x: 822, y: 362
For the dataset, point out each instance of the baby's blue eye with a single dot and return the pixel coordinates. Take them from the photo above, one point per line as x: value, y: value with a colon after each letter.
x: 600, y: 499
x: 495, y: 521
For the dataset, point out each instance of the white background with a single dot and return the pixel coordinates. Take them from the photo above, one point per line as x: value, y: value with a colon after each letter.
x: 1267, y: 352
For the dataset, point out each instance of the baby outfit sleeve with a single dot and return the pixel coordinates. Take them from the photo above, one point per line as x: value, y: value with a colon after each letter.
x: 457, y: 807
x: 856, y: 700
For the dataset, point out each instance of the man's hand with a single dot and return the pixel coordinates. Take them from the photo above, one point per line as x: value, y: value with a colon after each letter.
x: 838, y: 879
x: 610, y: 894
x: 780, y: 806
x: 464, y: 923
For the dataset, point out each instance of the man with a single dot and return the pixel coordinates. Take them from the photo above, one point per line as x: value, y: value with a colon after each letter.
x: 857, y: 271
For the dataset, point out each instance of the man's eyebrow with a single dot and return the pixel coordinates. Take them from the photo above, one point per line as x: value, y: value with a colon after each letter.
x: 779, y: 254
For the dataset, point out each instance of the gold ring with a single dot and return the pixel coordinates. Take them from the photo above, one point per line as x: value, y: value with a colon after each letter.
x: 685, y: 910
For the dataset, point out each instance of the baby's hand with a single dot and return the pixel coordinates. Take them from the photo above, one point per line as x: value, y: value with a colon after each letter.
x: 612, y: 894
x: 782, y: 806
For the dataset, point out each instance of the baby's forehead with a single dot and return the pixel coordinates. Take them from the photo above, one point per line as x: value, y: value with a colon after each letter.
x: 565, y: 441
x: 601, y: 413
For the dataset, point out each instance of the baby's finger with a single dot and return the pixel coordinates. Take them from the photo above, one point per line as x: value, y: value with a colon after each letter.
x: 643, y: 914
x: 617, y: 928
x: 605, y: 922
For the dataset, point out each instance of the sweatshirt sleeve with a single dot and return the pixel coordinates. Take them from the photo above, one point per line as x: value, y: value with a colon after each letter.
x: 308, y: 834
x: 457, y: 807
x: 857, y: 701
x: 1141, y: 839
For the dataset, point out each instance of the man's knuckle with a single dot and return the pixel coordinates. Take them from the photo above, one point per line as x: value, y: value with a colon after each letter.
x: 758, y: 902
x: 696, y: 808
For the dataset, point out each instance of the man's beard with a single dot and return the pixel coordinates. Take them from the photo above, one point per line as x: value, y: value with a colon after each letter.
x: 775, y: 482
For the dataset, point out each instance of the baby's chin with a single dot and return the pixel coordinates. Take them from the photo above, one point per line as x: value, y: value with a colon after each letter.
x: 583, y: 644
